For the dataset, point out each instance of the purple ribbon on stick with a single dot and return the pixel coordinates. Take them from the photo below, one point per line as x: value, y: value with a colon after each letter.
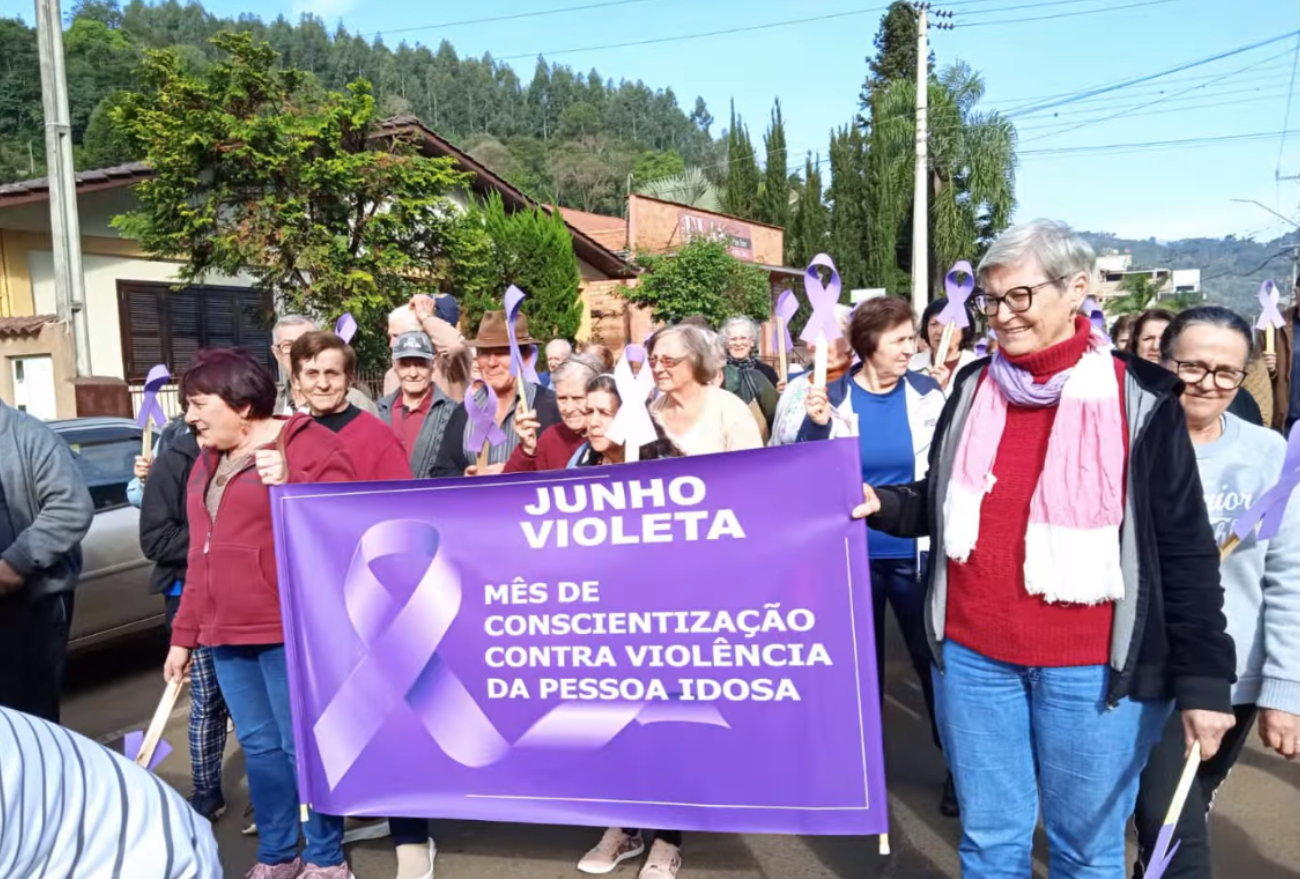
x: 959, y: 291
x: 1271, y: 317
x: 1095, y: 315
x: 483, y: 417
x: 1163, y: 854
x: 149, y: 405
x: 1268, y: 510
x: 787, y: 305
x: 518, y: 366
x: 131, y: 746
x: 823, y: 298
x: 402, y: 627
x: 346, y: 327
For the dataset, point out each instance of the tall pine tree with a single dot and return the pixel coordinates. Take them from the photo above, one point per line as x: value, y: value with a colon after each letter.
x: 850, y: 223
x: 741, y: 192
x: 775, y: 207
x: 806, y: 235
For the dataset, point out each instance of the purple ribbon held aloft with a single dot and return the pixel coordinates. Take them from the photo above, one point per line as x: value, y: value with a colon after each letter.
x: 345, y: 328
x: 1268, y: 510
x: 823, y: 298
x: 787, y: 305
x: 959, y: 284
x: 1271, y: 317
x: 149, y: 406
x: 482, y: 417
x: 518, y: 366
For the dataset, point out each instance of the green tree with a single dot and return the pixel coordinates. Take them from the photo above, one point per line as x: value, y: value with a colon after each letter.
x: 691, y: 187
x: 257, y: 171
x: 99, y: 60
x: 533, y: 250
x: 103, y: 145
x: 808, y: 232
x: 1143, y: 291
x: 775, y: 207
x: 741, y: 190
x: 655, y: 165
x: 850, y: 226
x: 702, y: 278
x: 894, y: 58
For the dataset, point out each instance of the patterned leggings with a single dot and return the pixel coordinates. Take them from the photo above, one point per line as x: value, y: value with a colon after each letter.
x: 208, y: 719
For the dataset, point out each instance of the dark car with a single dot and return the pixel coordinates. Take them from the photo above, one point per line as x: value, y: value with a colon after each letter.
x: 113, y: 598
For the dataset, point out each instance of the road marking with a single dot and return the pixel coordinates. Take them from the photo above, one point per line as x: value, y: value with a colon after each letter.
x: 903, y: 708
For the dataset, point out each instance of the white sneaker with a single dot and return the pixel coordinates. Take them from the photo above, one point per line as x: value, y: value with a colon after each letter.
x: 664, y: 861
x: 362, y: 829
x: 614, y: 848
x: 412, y: 859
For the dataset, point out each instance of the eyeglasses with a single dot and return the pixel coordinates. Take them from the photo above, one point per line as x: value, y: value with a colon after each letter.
x: 665, y: 361
x: 1225, y: 377
x: 284, y: 347
x: 1018, y: 300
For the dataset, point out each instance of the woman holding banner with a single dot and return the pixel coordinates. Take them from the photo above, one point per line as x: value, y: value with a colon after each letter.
x: 697, y: 416
x: 1209, y: 348
x: 1074, y: 583
x: 551, y: 449
x: 231, y: 600
x: 897, y: 410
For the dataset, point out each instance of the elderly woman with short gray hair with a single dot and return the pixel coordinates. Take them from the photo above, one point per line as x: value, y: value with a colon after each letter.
x: 551, y: 449
x: 750, y: 379
x: 1074, y: 579
x: 697, y: 416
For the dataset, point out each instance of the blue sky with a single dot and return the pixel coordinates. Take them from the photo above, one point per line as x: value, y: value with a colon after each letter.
x: 816, y: 69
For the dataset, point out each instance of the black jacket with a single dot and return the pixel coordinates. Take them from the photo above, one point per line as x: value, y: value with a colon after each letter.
x: 452, y: 460
x: 1170, y: 636
x: 164, y: 526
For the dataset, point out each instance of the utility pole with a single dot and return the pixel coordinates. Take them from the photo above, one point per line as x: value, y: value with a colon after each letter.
x: 65, y: 230
x: 921, y: 182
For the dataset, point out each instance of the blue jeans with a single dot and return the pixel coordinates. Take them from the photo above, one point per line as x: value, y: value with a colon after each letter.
x: 1015, y: 735
x: 255, y: 682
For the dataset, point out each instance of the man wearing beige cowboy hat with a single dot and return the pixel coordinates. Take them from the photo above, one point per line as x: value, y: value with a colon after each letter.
x: 492, y: 357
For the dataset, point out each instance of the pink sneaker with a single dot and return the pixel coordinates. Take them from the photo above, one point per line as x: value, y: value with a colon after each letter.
x: 614, y: 848
x: 276, y: 871
x: 314, y: 872
x: 663, y: 863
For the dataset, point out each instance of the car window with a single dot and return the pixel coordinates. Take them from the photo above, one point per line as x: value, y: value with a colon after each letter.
x: 107, y: 463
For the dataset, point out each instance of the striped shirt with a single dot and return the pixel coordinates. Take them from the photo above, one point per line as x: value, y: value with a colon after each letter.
x: 498, y: 454
x: 72, y: 808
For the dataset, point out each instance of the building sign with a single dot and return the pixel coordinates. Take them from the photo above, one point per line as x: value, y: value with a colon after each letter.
x: 737, y: 235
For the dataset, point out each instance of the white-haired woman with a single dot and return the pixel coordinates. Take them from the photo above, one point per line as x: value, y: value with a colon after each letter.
x: 697, y: 416
x: 1074, y: 579
x: 551, y: 449
x: 750, y: 379
x: 790, y: 411
x: 1209, y: 348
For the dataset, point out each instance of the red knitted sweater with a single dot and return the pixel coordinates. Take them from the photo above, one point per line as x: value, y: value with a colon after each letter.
x: 989, y: 610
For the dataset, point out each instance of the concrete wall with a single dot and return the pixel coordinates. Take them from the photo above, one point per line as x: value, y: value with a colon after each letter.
x: 54, y: 340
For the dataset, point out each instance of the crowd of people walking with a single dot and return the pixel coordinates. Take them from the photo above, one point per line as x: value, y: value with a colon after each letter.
x: 1045, y: 522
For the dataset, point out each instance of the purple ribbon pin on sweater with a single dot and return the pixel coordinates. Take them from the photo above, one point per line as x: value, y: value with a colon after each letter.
x: 402, y: 628
x: 823, y: 298
x: 1267, y: 512
x: 518, y: 366
x: 958, y: 284
x: 787, y: 305
x: 149, y: 405
x: 345, y: 328
x: 1271, y: 317
x: 482, y: 417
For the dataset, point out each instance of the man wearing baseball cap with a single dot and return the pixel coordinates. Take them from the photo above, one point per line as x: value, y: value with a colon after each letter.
x: 418, y: 410
x: 437, y: 318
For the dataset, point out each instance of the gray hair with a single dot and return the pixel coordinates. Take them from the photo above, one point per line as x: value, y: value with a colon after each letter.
x: 740, y: 326
x: 583, y: 367
x: 1058, y: 249
x: 1210, y: 316
x: 568, y: 349
x: 703, y: 349
x: 292, y: 320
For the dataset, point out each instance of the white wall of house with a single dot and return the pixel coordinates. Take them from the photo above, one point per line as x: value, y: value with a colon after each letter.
x: 102, y: 274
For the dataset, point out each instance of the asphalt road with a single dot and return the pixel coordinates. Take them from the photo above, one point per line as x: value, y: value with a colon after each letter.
x: 1255, y: 825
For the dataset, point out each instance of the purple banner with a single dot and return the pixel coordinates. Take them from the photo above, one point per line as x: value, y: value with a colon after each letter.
x: 682, y: 643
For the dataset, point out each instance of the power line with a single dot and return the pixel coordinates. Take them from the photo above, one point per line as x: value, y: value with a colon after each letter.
x: 1120, y: 8
x: 1287, y: 114
x: 1159, y: 144
x: 540, y: 13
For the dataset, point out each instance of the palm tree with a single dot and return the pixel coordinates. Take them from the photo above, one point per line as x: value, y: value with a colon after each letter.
x: 972, y: 168
x: 690, y: 188
x: 1143, y: 291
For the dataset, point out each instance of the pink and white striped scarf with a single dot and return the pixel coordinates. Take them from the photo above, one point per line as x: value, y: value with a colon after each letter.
x: 1072, y: 543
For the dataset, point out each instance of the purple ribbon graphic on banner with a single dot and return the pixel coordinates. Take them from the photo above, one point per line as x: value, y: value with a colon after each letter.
x: 958, y: 292
x: 345, y: 328
x: 787, y: 305
x: 1267, y: 512
x: 131, y: 746
x: 483, y: 417
x: 149, y: 405
x: 518, y: 366
x: 823, y: 298
x: 401, y: 628
x: 1271, y: 317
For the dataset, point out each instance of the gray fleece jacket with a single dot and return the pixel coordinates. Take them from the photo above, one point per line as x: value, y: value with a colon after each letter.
x: 48, y: 502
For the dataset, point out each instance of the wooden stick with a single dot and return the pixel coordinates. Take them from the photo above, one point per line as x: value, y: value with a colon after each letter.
x: 784, y: 371
x: 941, y: 356
x: 820, y: 361
x: 1184, y: 784
x: 884, y: 843
x: 1270, y: 340
x: 482, y: 461
x: 156, y: 726
x: 631, y: 453
x: 146, y: 440
x: 1229, y: 545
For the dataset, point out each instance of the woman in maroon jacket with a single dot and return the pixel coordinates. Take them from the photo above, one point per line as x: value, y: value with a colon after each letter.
x: 231, y: 601
x: 552, y: 449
